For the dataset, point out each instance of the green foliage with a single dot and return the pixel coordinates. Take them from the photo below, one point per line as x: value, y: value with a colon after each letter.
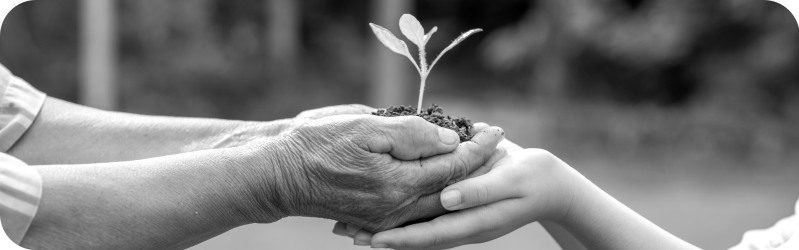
x: 414, y: 31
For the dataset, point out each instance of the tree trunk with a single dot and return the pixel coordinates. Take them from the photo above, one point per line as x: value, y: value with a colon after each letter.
x: 283, y: 36
x: 98, y: 62
x: 390, y: 80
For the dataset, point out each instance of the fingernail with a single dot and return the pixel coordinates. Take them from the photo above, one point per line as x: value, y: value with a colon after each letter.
x: 451, y: 198
x: 361, y: 243
x: 447, y: 136
x: 380, y: 245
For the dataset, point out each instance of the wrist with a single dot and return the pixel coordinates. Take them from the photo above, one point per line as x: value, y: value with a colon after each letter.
x: 558, y: 190
x: 583, y: 202
x: 273, y: 180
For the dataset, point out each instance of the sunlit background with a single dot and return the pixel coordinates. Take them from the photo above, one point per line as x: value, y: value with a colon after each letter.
x: 685, y: 110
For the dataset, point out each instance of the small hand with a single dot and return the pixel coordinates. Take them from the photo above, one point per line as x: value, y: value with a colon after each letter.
x: 496, y: 199
x: 377, y: 172
x: 524, y: 187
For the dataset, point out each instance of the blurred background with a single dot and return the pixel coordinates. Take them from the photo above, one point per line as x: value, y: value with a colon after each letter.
x: 685, y: 110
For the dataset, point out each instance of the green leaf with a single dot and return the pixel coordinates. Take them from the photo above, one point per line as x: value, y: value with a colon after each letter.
x: 453, y: 44
x: 412, y: 29
x: 389, y: 40
x: 393, y: 43
x: 430, y: 34
x: 461, y: 38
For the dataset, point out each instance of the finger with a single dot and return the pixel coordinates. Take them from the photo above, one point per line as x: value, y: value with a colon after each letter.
x: 352, y: 229
x: 340, y: 229
x: 453, y: 229
x: 425, y: 208
x: 411, y: 138
x: 477, y: 127
x: 439, y: 170
x: 481, y: 190
x: 499, y: 153
x: 362, y: 238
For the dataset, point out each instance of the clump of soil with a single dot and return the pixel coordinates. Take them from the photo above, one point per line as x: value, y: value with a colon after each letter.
x: 435, y: 115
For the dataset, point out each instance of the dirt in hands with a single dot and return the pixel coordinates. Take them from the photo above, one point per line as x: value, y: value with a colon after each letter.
x: 435, y: 115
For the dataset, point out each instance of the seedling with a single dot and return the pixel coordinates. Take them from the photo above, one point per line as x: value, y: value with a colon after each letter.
x: 414, y: 31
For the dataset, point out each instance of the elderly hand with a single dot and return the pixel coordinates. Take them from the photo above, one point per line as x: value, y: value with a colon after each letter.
x: 377, y: 172
x: 344, y: 109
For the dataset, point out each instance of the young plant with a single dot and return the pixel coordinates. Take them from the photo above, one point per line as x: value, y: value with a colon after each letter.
x: 414, y: 31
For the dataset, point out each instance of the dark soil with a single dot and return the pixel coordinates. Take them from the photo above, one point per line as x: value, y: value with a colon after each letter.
x: 435, y: 115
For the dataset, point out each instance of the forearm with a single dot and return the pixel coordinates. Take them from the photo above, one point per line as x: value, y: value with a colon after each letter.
x: 599, y: 221
x: 66, y: 133
x: 160, y: 203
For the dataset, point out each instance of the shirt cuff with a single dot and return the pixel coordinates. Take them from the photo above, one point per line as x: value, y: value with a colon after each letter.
x: 19, y: 104
x: 20, y: 193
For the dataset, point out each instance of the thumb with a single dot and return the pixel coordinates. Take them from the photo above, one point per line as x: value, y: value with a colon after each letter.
x: 481, y: 190
x: 410, y: 138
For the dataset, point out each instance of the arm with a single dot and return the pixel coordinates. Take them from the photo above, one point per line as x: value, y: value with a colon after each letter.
x: 160, y: 203
x: 67, y: 133
x: 374, y: 171
x: 527, y: 186
x: 600, y: 221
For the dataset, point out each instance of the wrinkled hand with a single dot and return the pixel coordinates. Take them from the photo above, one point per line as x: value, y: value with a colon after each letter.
x: 377, y: 172
x: 344, y: 109
x: 313, y: 114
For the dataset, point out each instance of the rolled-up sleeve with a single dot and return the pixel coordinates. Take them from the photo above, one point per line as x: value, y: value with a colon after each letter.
x: 20, y: 192
x: 20, y: 184
x: 19, y: 105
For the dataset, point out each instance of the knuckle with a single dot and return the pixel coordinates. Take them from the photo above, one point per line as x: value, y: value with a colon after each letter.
x: 413, y: 122
x: 459, y: 168
x: 482, y: 194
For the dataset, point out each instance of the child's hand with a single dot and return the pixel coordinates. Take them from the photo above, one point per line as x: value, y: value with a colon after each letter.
x: 524, y: 187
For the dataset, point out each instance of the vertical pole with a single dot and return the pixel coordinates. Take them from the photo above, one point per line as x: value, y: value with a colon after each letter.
x: 391, y: 80
x: 283, y: 32
x: 98, y: 54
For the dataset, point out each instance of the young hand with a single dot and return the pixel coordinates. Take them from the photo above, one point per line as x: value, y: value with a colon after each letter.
x: 477, y: 222
x: 525, y: 186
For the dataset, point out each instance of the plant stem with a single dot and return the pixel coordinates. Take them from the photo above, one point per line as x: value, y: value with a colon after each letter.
x: 423, y: 75
x: 421, y: 94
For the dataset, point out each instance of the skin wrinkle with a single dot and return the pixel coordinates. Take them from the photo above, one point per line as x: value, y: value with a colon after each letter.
x: 346, y: 178
x: 281, y: 165
x: 386, y: 195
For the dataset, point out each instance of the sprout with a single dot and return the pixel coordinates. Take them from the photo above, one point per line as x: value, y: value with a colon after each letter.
x: 414, y: 31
